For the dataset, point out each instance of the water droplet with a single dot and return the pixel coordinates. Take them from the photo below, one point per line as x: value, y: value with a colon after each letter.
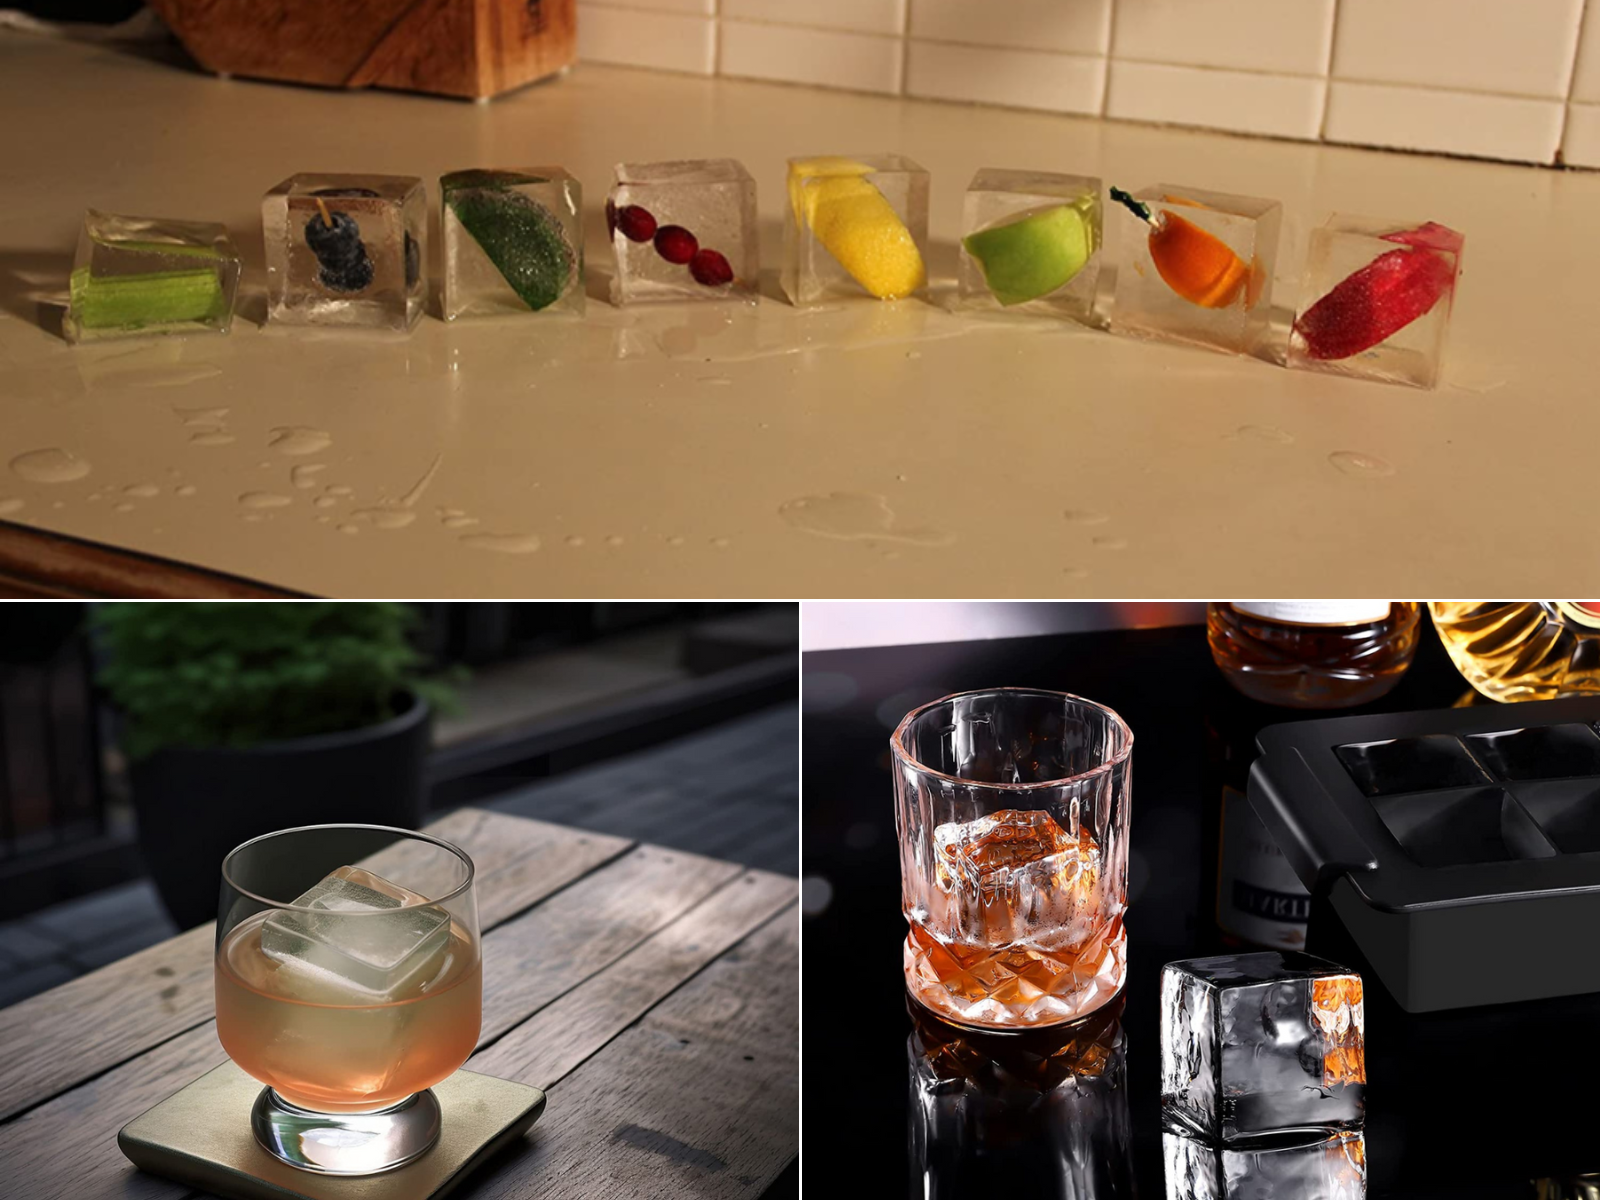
x: 58, y: 504
x: 452, y: 512
x: 1354, y: 462
x: 674, y: 540
x: 384, y: 518
x: 12, y: 504
x: 298, y: 439
x: 460, y: 522
x: 301, y: 474
x: 721, y: 543
x: 574, y: 540
x: 325, y: 501
x: 201, y: 416
x: 123, y: 507
x: 502, y: 543
x: 348, y: 528
x: 1085, y: 516
x: 212, y: 437
x: 185, y: 489
x: 902, y: 479
x: 716, y: 380
x: 252, y: 516
x: 1264, y: 433
x: 141, y: 490
x: 1075, y: 572
x: 50, y: 465
x: 1111, y: 543
x: 339, y: 489
x: 913, y: 353
x: 263, y: 500
x: 855, y: 516
x: 614, y: 540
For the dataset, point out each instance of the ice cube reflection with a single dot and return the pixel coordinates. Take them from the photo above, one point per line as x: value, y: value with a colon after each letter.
x: 1302, y: 1166
x: 1047, y: 1109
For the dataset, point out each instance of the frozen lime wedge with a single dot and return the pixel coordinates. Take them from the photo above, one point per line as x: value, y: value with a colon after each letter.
x: 1030, y: 258
x: 520, y: 236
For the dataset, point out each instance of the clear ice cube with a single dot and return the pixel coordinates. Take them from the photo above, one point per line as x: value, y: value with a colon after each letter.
x: 1315, y: 1167
x: 1375, y: 300
x: 1261, y: 1043
x: 1201, y: 273
x: 144, y: 275
x: 1015, y: 878
x: 683, y: 231
x: 369, y: 936
x: 346, y: 250
x: 513, y: 242
x: 857, y: 226
x: 1031, y: 243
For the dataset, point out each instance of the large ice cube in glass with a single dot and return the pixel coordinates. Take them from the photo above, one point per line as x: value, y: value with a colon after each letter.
x: 1375, y: 299
x: 1195, y: 266
x: 1302, y: 1167
x: 513, y: 242
x: 346, y: 250
x: 1031, y: 243
x: 143, y: 275
x: 367, y: 934
x: 857, y: 226
x: 1261, y: 1043
x: 683, y: 231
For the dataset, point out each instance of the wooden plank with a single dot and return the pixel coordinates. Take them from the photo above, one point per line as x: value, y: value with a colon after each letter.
x: 700, y: 1099
x: 34, y: 562
x: 544, y: 954
x: 556, y: 1039
x: 70, y: 1033
x: 537, y: 957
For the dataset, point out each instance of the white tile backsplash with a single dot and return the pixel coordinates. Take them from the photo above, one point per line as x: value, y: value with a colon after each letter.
x: 828, y: 58
x: 1518, y: 47
x: 1511, y: 79
x: 1016, y: 78
x: 1071, y: 26
x: 1285, y: 37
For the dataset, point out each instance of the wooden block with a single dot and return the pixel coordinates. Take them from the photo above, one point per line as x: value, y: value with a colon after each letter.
x: 474, y: 48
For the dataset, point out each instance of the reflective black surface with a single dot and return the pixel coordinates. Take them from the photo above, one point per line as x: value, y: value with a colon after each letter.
x: 1477, y: 1102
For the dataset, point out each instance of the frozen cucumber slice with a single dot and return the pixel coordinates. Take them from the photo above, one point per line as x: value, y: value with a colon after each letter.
x: 134, y: 301
x: 521, y: 237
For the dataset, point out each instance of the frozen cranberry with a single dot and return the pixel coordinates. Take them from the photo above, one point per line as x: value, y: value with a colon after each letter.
x: 710, y: 268
x: 676, y: 244
x: 636, y: 223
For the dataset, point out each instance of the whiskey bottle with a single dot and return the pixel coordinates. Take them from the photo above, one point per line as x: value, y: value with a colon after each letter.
x: 1313, y: 653
x: 1523, y: 649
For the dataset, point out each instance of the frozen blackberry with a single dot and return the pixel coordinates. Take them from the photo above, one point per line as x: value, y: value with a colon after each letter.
x: 335, y: 238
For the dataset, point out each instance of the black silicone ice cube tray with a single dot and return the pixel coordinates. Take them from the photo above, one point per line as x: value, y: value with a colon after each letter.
x: 1460, y: 848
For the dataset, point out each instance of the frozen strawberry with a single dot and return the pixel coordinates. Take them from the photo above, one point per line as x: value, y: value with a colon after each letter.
x: 1373, y: 304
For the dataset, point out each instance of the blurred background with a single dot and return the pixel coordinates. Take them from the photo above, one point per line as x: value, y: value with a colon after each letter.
x: 140, y: 742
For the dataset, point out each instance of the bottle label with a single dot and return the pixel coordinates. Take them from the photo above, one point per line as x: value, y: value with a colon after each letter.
x: 1315, y: 612
x: 1259, y: 897
x: 1584, y: 612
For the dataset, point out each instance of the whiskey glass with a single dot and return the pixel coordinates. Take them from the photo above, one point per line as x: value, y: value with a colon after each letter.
x: 1012, y: 812
x: 349, y: 981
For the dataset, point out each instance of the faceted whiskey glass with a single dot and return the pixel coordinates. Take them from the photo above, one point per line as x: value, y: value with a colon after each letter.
x: 1012, y: 812
x: 349, y: 981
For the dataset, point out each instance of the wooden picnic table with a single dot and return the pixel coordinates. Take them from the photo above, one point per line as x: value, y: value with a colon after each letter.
x: 653, y: 993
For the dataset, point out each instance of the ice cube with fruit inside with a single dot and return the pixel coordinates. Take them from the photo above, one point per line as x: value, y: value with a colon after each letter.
x: 358, y: 937
x: 346, y: 250
x: 146, y: 275
x: 1375, y: 299
x: 857, y: 227
x: 1194, y: 266
x: 513, y: 242
x: 1031, y: 242
x: 683, y: 230
x: 1307, y: 1166
x: 1261, y: 1043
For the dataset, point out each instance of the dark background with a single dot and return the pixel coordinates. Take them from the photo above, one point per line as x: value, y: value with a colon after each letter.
x: 1477, y: 1102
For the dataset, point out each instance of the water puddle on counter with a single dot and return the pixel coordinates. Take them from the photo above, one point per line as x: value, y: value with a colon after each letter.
x: 856, y: 516
x: 49, y: 465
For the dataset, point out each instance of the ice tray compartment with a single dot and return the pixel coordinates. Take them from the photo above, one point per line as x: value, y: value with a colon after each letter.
x: 1462, y: 825
x: 1403, y: 765
x: 1568, y: 810
x: 1540, y: 752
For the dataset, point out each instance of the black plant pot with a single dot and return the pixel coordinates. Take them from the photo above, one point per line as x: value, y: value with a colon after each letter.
x: 195, y: 805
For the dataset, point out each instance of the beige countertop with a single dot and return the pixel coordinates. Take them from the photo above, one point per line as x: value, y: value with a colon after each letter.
x: 713, y: 450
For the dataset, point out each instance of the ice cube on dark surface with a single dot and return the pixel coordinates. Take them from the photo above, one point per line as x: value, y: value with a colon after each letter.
x: 1419, y: 764
x: 1318, y: 1166
x: 1473, y: 825
x: 1543, y: 752
x: 1261, y: 1043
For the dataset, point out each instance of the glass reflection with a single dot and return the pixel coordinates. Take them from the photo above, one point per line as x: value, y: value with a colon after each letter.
x: 1313, y: 1166
x: 1048, y: 1108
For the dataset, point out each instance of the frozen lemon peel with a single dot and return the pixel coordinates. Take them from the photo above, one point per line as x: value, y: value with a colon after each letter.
x: 855, y: 224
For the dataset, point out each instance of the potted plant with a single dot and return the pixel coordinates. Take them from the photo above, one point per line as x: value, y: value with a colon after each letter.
x: 241, y: 718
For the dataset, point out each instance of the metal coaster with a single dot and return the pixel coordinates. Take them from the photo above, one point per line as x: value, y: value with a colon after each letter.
x: 201, y: 1137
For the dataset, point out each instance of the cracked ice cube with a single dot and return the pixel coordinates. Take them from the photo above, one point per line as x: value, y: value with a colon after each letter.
x: 1261, y: 1043
x: 368, y: 937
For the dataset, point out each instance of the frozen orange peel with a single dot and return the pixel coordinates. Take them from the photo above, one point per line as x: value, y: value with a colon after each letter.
x: 1337, y: 1009
x: 1197, y: 265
